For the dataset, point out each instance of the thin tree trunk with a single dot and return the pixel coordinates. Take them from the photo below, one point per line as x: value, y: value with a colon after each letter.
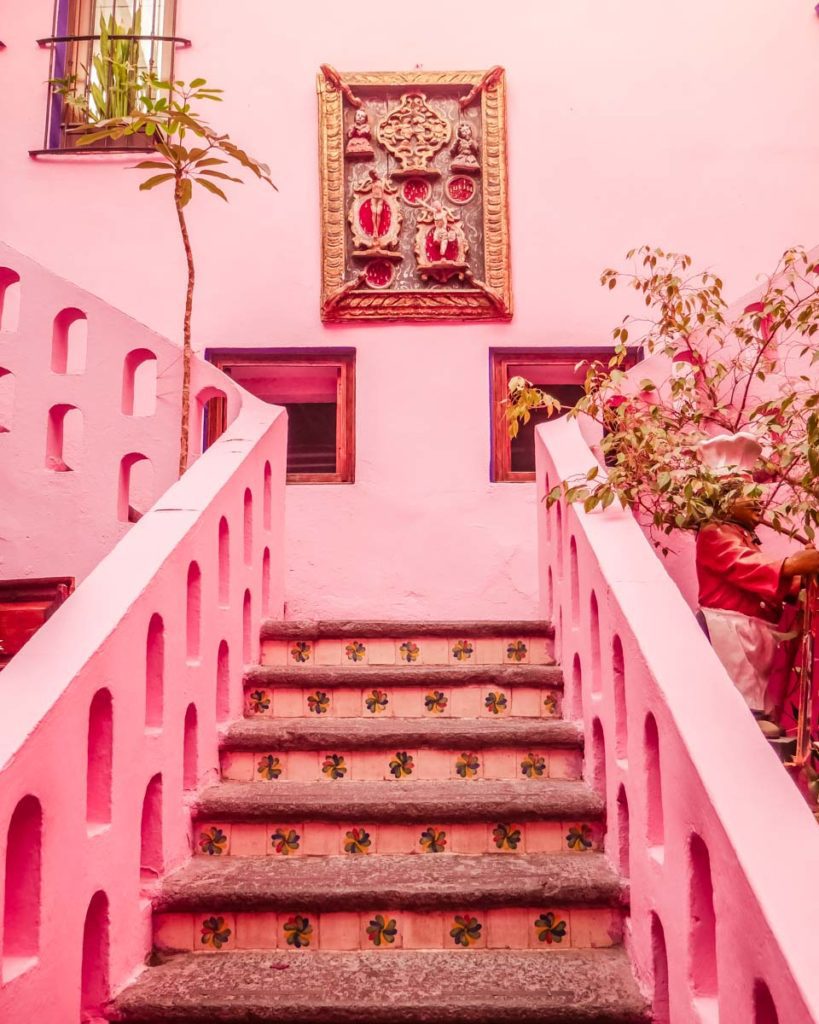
x: 184, y: 434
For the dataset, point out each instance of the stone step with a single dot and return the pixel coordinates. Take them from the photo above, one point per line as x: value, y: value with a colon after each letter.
x: 387, y: 987
x: 355, y: 629
x: 352, y: 883
x: 429, y: 676
x: 382, y: 733
x: 475, y: 800
x: 410, y: 765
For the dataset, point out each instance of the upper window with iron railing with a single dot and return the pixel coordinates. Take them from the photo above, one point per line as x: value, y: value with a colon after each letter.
x: 102, y: 52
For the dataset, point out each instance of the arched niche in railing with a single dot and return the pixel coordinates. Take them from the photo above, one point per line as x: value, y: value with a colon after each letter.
x: 659, y: 962
x: 193, y: 626
x: 558, y: 538
x: 574, y: 582
x: 64, y: 438
x: 618, y: 672
x: 223, y: 682
x: 248, y: 526
x: 154, y: 672
x: 69, y: 341
x: 23, y: 888
x: 267, y: 496
x: 139, y: 371
x: 598, y: 755
x: 224, y: 562
x: 151, y: 858
x: 190, y: 749
x: 211, y: 416
x: 100, y: 761
x: 623, y: 834
x: 95, y: 958
x: 247, y: 619
x: 764, y: 1006
x: 702, y: 945
x: 652, y: 778
x: 135, y: 487
x: 6, y: 400
x: 265, y: 610
x: 10, y: 300
x: 594, y: 642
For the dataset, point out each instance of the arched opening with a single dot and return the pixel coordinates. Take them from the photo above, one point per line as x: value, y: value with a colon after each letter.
x: 150, y: 853
x: 9, y: 299
x: 211, y: 407
x: 100, y: 761
x: 155, y: 673
x: 224, y: 562
x: 248, y: 526
x: 623, y: 838
x: 136, y: 486
x: 764, y: 1007
x: 69, y: 341
x: 190, y: 750
x: 550, y: 592
x: 653, y: 787
x: 618, y: 671
x: 247, y: 641
x: 576, y: 700
x: 21, y: 908
x: 223, y: 683
x: 194, y: 612
x: 267, y: 496
x: 574, y: 582
x: 139, y: 372
x: 6, y: 400
x: 266, y: 582
x: 659, y: 958
x: 64, y: 438
x: 594, y: 642
x: 559, y: 539
x: 598, y: 752
x: 95, y: 946
x: 702, y: 920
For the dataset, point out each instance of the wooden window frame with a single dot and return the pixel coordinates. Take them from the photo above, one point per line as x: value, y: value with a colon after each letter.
x: 344, y: 359
x: 500, y: 359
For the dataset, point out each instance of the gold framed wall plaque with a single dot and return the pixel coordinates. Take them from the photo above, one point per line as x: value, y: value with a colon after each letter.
x: 414, y: 211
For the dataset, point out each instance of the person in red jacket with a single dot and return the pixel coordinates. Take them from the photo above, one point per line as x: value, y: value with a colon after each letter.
x: 741, y: 595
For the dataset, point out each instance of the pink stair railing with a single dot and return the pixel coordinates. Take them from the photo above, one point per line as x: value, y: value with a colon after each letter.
x: 720, y: 848
x: 111, y: 712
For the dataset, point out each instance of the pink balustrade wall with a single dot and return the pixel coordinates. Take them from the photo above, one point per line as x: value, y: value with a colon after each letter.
x: 110, y: 714
x: 719, y: 846
x: 89, y: 421
x: 684, y: 125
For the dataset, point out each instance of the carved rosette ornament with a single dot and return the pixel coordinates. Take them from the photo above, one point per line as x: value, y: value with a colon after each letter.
x: 441, y: 248
x: 375, y: 219
x: 413, y: 134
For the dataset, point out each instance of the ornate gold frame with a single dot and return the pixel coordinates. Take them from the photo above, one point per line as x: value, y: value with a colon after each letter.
x: 349, y: 301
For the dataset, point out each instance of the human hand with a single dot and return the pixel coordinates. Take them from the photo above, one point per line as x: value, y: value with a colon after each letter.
x: 803, y: 563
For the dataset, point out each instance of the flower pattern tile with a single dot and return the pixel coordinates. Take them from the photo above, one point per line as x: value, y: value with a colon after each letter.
x: 213, y: 842
x: 462, y: 651
x: 533, y: 766
x: 258, y: 702
x: 300, y: 651
x: 285, y: 841
x: 318, y: 703
x: 298, y: 931
x: 435, y: 702
x: 409, y: 652
x: 357, y: 840
x: 516, y: 651
x: 214, y: 932
x: 495, y: 702
x: 467, y: 765
x: 402, y: 765
x: 506, y: 837
x: 550, y: 928
x: 579, y: 837
x: 334, y: 766
x: 377, y: 702
x: 466, y: 930
x: 269, y: 767
x: 355, y: 652
x: 433, y: 840
x: 382, y: 930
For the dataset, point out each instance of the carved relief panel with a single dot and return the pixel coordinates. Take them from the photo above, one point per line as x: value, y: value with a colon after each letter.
x: 413, y: 187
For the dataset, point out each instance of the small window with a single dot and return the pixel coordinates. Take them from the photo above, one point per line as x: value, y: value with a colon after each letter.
x: 554, y: 370
x: 317, y: 387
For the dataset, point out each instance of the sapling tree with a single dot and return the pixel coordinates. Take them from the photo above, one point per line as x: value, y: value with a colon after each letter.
x: 714, y: 373
x: 187, y: 152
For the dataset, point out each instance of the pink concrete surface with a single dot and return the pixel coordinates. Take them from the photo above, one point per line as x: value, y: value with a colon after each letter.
x: 627, y: 123
x: 719, y: 845
x: 110, y: 712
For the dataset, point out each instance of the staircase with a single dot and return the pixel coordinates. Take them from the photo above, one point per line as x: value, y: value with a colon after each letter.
x: 401, y: 833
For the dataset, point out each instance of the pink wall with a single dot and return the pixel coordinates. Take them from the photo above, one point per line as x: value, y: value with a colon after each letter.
x: 719, y: 845
x: 627, y: 123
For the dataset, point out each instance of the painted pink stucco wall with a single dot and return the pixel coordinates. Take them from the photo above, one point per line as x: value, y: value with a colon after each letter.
x: 690, y: 126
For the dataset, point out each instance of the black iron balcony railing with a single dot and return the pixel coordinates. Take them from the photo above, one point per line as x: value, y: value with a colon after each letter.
x: 105, y: 73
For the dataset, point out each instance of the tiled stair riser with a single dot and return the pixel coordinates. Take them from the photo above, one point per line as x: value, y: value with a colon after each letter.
x: 453, y: 651
x: 399, y: 765
x: 545, y: 928
x: 486, y: 702
x: 328, y: 838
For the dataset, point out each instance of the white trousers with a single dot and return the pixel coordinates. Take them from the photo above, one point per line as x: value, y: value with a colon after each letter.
x: 746, y: 648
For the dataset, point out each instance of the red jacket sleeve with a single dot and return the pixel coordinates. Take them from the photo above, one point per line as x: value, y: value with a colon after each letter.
x: 723, y: 552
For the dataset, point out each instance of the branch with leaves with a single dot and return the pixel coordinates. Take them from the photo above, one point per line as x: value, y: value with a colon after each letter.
x: 722, y: 373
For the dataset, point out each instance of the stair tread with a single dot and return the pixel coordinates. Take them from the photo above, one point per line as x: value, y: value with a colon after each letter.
x: 391, y: 987
x: 366, y: 676
x: 363, y: 629
x: 378, y: 733
x: 408, y: 882
x: 402, y: 802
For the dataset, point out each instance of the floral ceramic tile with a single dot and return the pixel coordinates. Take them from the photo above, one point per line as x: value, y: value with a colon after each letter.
x: 506, y: 837
x: 533, y: 766
x: 269, y: 768
x: 433, y: 840
x: 409, y: 652
x: 377, y: 702
x: 301, y: 651
x: 579, y: 837
x: 334, y: 766
x: 357, y: 840
x: 382, y: 930
x: 298, y: 931
x: 258, y: 702
x: 551, y: 707
x: 462, y: 652
x: 355, y: 652
x: 213, y: 841
x: 285, y: 841
x: 318, y: 703
x: 496, y: 703
x: 551, y: 928
x: 517, y: 652
x: 467, y: 765
x: 402, y: 764
x: 214, y: 933
x: 466, y: 931
x: 435, y: 702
